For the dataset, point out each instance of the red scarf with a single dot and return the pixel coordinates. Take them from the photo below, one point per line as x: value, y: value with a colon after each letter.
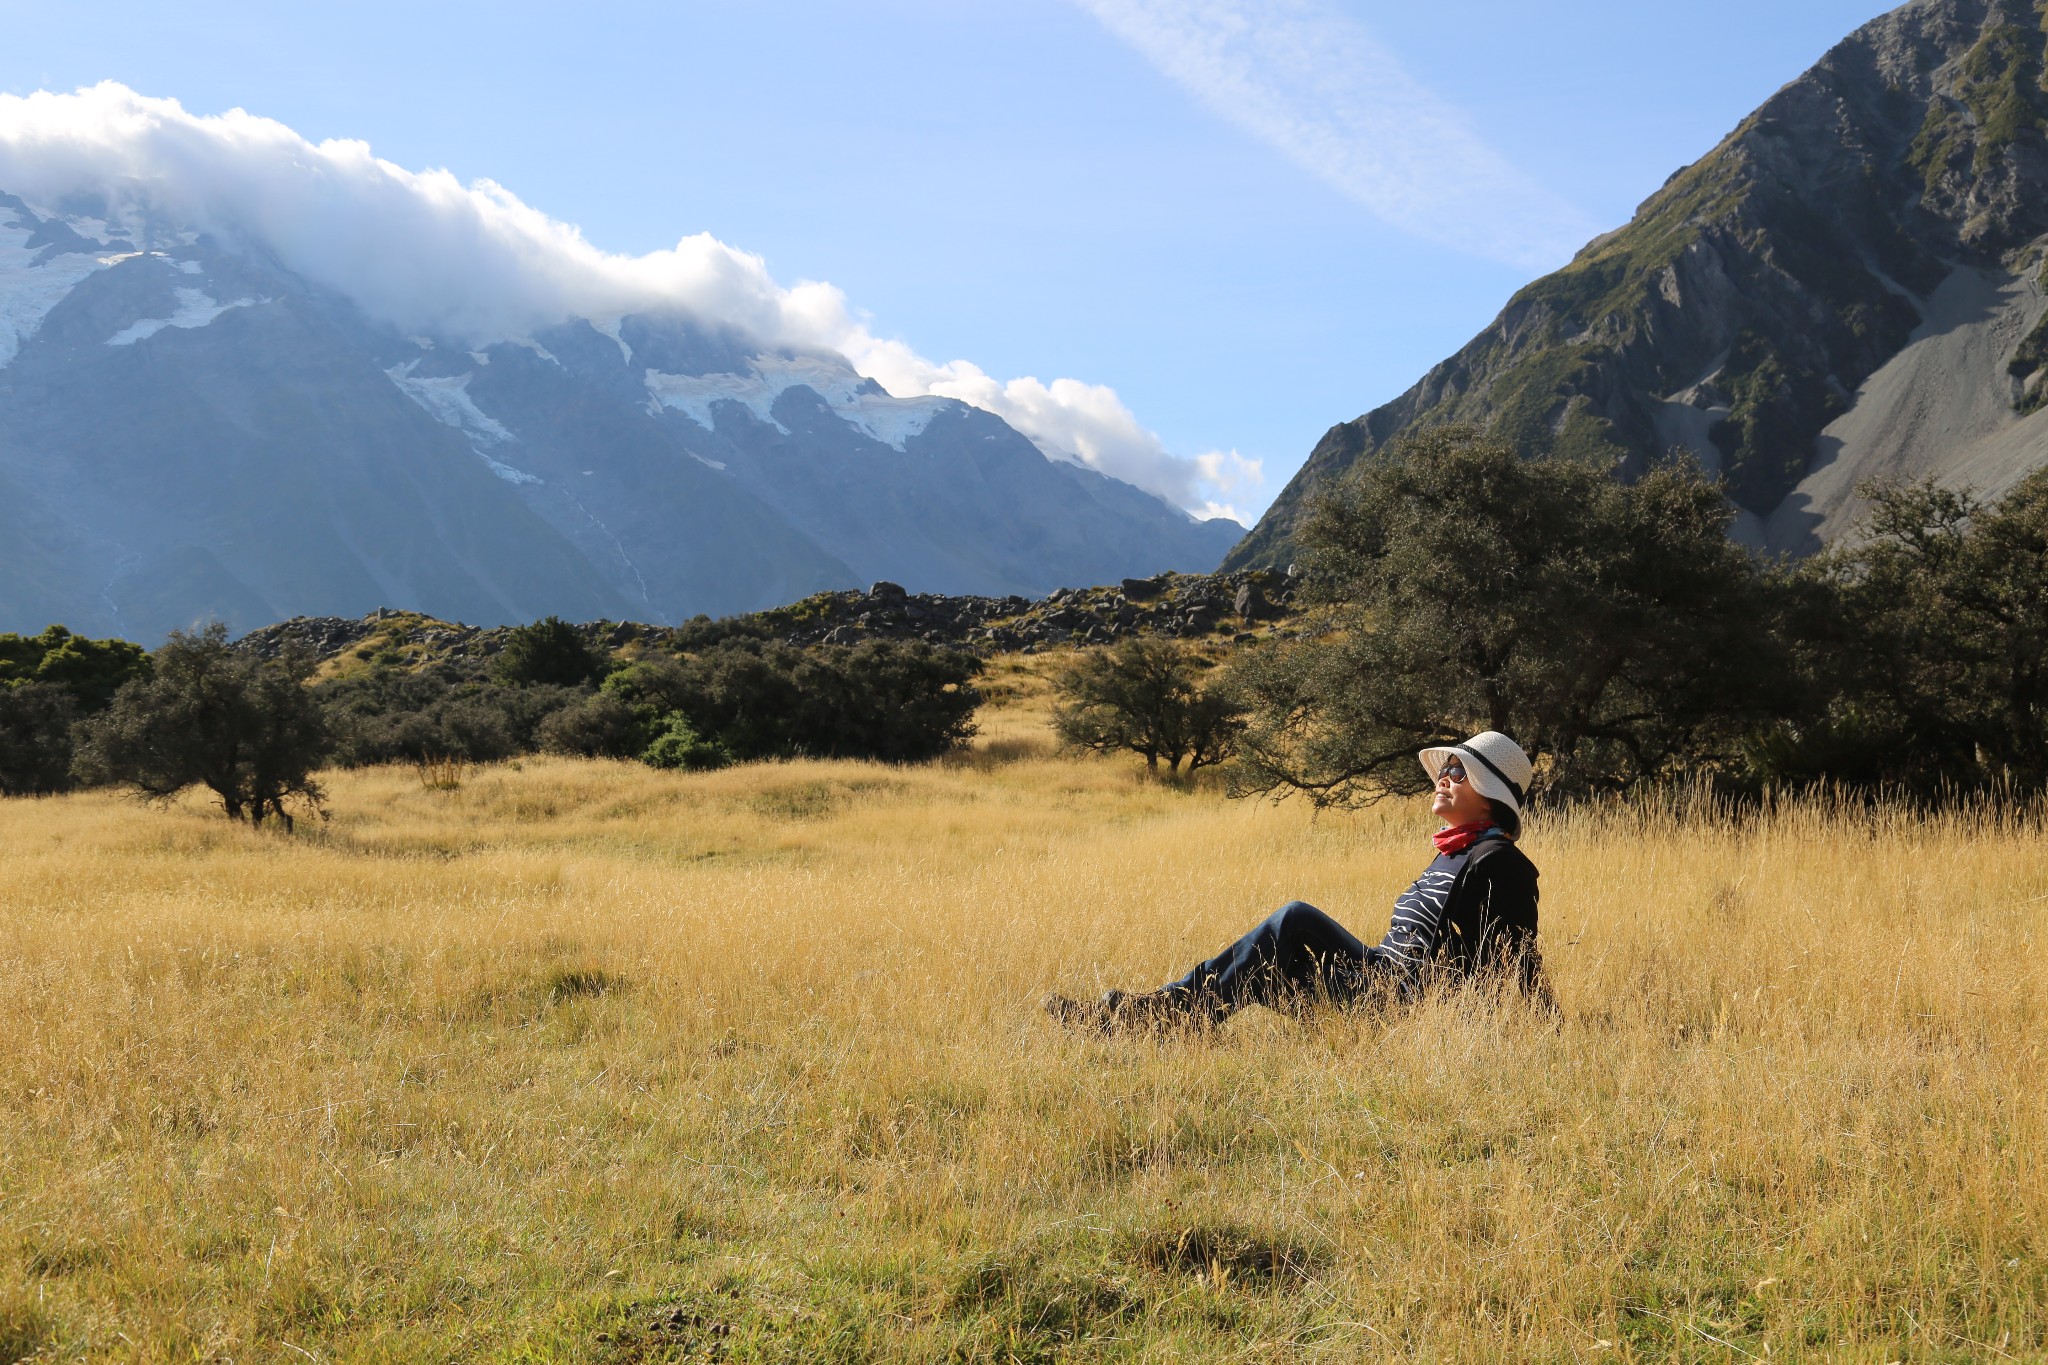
x: 1458, y: 838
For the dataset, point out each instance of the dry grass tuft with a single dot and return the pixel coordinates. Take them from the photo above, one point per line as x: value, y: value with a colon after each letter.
x: 583, y: 1061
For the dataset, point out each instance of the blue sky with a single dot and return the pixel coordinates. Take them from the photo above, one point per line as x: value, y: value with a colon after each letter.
x: 1248, y: 237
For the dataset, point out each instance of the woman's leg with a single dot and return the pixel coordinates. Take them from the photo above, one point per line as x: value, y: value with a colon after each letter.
x: 1298, y: 952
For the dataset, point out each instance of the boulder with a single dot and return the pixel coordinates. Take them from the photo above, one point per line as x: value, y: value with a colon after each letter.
x: 1143, y: 589
x: 1251, y: 603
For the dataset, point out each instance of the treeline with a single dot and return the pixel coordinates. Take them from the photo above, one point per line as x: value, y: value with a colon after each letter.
x: 1613, y: 628
x: 1620, y: 634
x: 200, y: 712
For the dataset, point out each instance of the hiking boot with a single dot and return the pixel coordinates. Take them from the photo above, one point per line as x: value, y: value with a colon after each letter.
x: 1082, y: 1016
x: 1122, y: 1012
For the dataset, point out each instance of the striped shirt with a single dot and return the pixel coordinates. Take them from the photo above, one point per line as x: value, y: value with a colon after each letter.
x: 1461, y: 922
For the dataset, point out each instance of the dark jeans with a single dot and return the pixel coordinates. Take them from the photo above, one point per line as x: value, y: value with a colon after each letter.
x: 1297, y: 956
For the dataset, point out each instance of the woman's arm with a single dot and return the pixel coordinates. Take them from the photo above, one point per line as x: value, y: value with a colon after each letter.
x: 1490, y: 919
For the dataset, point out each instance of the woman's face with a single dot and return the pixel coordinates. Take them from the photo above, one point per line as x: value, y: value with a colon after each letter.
x: 1457, y: 801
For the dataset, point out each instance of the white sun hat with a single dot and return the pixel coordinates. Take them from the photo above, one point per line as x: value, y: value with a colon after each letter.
x: 1493, y: 763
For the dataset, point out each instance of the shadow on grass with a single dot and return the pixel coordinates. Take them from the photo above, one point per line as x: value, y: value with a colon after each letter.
x: 1224, y: 1254
x: 563, y: 984
x: 1025, y: 1310
x: 26, y: 1328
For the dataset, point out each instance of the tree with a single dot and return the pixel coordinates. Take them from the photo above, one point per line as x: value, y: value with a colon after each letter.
x: 1613, y: 629
x: 657, y: 685
x: 1928, y: 637
x: 897, y: 701
x: 47, y: 682
x: 89, y: 671
x: 245, y: 728
x: 549, y: 651
x: 35, y: 739
x: 1145, y: 695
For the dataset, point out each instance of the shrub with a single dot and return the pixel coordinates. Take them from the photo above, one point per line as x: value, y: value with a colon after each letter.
x: 550, y: 651
x: 600, y: 726
x: 1145, y: 695
x: 389, y: 715
x: 47, y: 682
x: 1927, y: 636
x: 897, y: 701
x: 679, y: 746
x: 655, y: 687
x: 245, y: 728
x: 35, y: 739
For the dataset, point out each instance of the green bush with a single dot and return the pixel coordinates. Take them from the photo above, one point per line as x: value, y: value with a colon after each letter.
x: 550, y: 652
x: 1926, y: 636
x: 91, y: 671
x: 35, y: 739
x: 603, y: 725
x: 896, y: 701
x: 654, y: 686
x: 388, y: 715
x: 680, y: 747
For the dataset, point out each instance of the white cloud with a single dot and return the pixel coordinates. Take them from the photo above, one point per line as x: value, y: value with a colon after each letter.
x: 1314, y: 83
x: 473, y: 264
x: 1228, y: 472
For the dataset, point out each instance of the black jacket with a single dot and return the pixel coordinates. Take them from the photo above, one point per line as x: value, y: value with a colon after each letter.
x: 1490, y: 924
x: 1471, y: 913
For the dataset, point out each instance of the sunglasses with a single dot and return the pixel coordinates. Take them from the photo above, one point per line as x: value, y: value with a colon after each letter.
x: 1453, y: 770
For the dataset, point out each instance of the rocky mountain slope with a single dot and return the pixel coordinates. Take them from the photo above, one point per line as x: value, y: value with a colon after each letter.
x: 1850, y: 286
x: 189, y: 430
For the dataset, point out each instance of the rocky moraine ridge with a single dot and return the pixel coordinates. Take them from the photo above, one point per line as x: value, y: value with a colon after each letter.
x: 1235, y: 607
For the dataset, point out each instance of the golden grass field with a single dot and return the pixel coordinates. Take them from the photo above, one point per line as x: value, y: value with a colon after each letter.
x: 586, y: 1062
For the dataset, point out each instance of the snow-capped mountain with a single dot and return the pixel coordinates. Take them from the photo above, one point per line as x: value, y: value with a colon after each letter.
x: 190, y: 429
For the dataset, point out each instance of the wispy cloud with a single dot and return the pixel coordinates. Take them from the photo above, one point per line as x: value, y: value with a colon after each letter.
x: 426, y: 252
x: 1305, y: 77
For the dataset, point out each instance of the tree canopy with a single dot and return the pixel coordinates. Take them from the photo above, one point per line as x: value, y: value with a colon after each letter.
x: 550, y: 651
x: 1145, y: 696
x: 1926, y: 639
x: 47, y: 682
x: 88, y: 671
x: 245, y: 728
x: 1613, y: 629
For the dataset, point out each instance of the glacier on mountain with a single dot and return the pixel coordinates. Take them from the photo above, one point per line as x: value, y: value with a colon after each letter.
x: 126, y: 461
x: 195, y: 309
x: 447, y: 399
x: 33, y: 281
x: 610, y: 328
x: 859, y: 402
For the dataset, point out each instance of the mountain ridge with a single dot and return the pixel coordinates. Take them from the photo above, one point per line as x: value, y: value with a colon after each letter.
x: 188, y: 429
x: 1742, y: 311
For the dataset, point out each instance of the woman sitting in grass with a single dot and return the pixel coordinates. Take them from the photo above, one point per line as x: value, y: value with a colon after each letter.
x: 1472, y: 913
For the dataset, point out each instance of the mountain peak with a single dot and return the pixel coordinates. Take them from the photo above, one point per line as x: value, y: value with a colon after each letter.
x: 190, y: 429
x: 1777, y: 306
